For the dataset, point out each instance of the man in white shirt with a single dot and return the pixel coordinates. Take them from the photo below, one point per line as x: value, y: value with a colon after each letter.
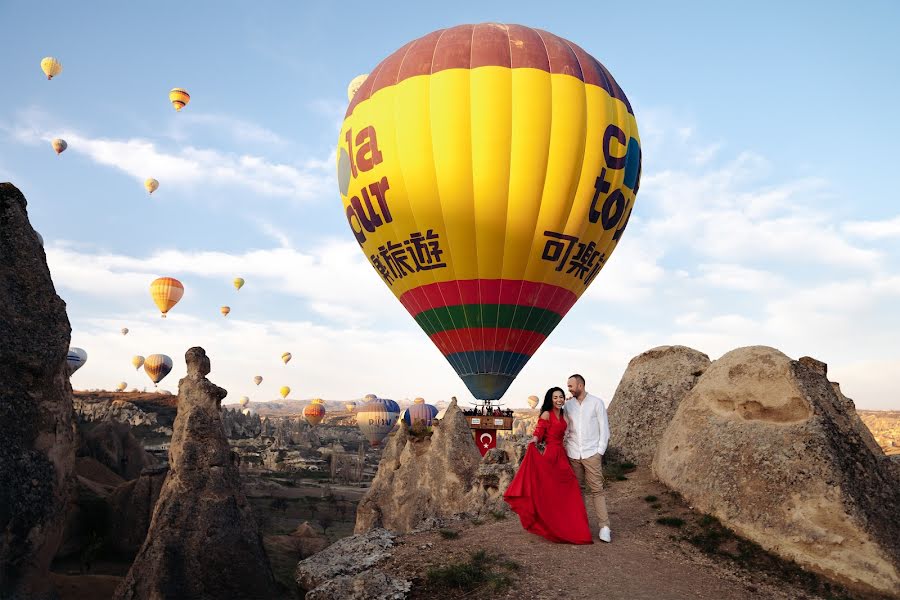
x: 585, y: 440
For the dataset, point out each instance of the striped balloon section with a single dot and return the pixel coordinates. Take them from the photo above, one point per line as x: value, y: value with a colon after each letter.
x: 166, y: 292
x: 420, y: 413
x: 75, y: 359
x: 157, y: 366
x: 314, y: 413
x: 376, y: 418
x: 488, y: 172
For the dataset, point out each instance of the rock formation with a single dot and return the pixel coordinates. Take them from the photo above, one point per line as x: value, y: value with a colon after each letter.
x: 112, y: 444
x: 131, y: 510
x: 763, y: 443
x: 344, y: 569
x: 420, y: 478
x: 203, y: 541
x: 647, y: 397
x: 37, y: 455
x: 238, y: 425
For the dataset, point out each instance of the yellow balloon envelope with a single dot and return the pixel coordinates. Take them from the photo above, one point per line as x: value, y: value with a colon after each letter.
x: 488, y: 172
x: 284, y: 391
x: 121, y: 387
x: 225, y: 310
x: 157, y: 366
x: 179, y: 98
x: 286, y: 357
x: 533, y: 401
x: 51, y: 67
x: 166, y: 292
x: 151, y: 185
x: 59, y: 145
x: 238, y: 283
x: 137, y: 361
x: 314, y: 413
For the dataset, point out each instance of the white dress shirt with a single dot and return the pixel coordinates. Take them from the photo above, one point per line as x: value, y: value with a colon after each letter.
x: 587, y: 433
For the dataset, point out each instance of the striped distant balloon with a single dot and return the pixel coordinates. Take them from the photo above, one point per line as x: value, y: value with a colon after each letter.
x: 137, y: 361
x: 59, y: 145
x: 157, y: 366
x: 284, y: 391
x: 420, y: 413
x: 121, y: 387
x: 51, y: 67
x: 488, y: 172
x: 315, y: 412
x: 376, y: 418
x: 75, y: 359
x: 166, y: 292
x: 179, y: 98
x: 350, y: 406
x: 258, y: 379
x: 151, y: 185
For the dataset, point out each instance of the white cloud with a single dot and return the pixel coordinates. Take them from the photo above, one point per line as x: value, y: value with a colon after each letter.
x: 874, y: 230
x: 237, y: 129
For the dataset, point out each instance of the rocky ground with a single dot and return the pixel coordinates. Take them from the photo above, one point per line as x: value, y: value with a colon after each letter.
x: 647, y: 559
x: 885, y: 426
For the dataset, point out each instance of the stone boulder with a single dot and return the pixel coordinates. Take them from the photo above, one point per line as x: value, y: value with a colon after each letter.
x: 421, y: 478
x: 370, y: 585
x: 113, y: 444
x: 647, y: 397
x: 203, y: 541
x: 345, y: 558
x: 131, y: 510
x: 763, y: 443
x: 37, y: 455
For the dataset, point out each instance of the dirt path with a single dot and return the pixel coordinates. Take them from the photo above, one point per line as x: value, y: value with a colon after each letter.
x: 646, y: 560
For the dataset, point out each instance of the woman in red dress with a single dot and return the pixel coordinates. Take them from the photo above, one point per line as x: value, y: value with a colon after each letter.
x: 545, y: 492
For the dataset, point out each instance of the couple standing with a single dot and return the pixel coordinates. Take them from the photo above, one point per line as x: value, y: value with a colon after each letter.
x: 545, y: 492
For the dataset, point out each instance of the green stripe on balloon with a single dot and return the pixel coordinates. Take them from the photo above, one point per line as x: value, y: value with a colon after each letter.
x: 507, y: 316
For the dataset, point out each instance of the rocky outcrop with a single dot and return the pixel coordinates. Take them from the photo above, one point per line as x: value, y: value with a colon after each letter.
x: 344, y: 560
x: 647, y: 397
x: 131, y: 510
x: 112, y: 444
x: 370, y: 585
x: 38, y: 451
x: 765, y: 444
x: 120, y: 411
x: 422, y: 477
x: 238, y: 425
x: 203, y: 541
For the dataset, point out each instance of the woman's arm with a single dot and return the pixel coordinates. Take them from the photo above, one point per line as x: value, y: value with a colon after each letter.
x: 540, y: 430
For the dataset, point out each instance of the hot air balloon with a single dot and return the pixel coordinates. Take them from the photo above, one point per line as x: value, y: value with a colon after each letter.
x: 151, y: 185
x: 137, y: 361
x: 284, y: 391
x: 179, y: 98
x: 420, y: 413
x: 59, y: 145
x: 121, y: 387
x: 124, y: 331
x: 157, y: 366
x: 350, y: 406
x: 355, y: 84
x: 51, y: 67
x: 247, y: 412
x: 488, y: 172
x: 238, y: 283
x: 244, y: 401
x: 225, y: 310
x: 40, y: 238
x: 376, y: 418
x: 75, y: 359
x: 258, y: 379
x: 533, y: 401
x: 166, y: 292
x: 286, y: 357
x: 315, y: 412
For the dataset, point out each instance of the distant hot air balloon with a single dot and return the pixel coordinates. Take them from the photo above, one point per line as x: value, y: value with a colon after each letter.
x: 238, y: 283
x: 376, y: 418
x: 40, y: 238
x: 124, y: 331
x: 51, y: 67
x: 225, y: 310
x: 503, y: 162
x: 355, y: 84
x: 286, y: 357
x: 350, y: 406
x: 137, y: 361
x: 533, y: 401
x: 420, y: 413
x: 166, y: 292
x: 59, y: 145
x: 75, y: 359
x: 247, y: 412
x: 157, y: 366
x: 179, y: 98
x: 284, y: 391
x: 244, y: 401
x: 258, y: 379
x: 315, y: 412
x: 121, y: 387
x: 151, y: 185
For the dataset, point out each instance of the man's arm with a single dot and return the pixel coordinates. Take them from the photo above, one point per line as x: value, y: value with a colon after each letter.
x: 604, y: 425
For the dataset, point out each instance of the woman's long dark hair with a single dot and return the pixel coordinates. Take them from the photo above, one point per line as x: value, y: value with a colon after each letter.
x: 548, y: 400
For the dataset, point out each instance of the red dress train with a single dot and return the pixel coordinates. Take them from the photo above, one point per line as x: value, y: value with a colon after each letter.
x: 545, y: 492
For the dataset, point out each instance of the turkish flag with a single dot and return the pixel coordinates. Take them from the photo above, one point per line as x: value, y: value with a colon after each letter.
x: 485, y: 439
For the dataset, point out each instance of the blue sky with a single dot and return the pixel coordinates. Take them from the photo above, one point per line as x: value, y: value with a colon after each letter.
x: 767, y: 214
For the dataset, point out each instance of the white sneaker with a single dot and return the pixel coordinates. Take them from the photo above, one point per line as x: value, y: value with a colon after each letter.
x: 605, y: 534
